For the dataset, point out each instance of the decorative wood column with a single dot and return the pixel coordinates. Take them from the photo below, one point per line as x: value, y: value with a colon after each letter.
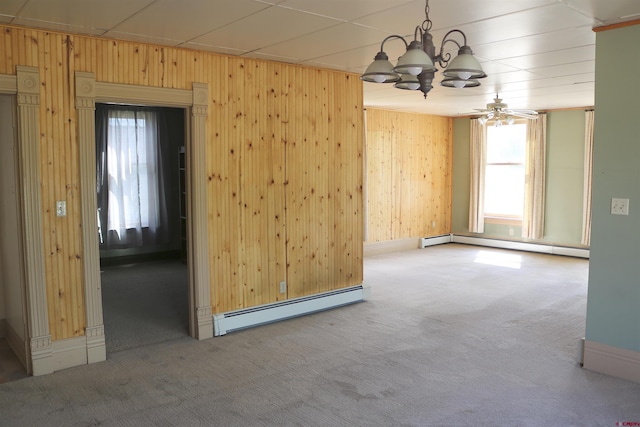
x: 28, y: 90
x: 198, y: 250
x: 86, y: 105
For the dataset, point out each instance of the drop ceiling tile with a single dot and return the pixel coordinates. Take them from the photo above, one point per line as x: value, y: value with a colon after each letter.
x: 357, y: 60
x: 55, y: 26
x: 141, y: 38
x: 536, y: 43
x: 444, y: 14
x: 10, y: 8
x: 344, y: 10
x: 522, y: 24
x: 259, y: 55
x: 195, y: 16
x: 251, y: 33
x: 609, y: 11
x: 216, y: 49
x: 514, y: 76
x: 566, y: 69
x: 82, y: 13
x: 559, y: 57
x: 494, y: 67
x: 336, y: 39
x: 574, y: 79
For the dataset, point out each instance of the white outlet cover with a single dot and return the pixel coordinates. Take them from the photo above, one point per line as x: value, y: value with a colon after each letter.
x: 619, y: 206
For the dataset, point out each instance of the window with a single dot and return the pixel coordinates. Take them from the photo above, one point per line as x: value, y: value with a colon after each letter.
x: 130, y: 169
x: 505, y: 171
x: 133, y: 169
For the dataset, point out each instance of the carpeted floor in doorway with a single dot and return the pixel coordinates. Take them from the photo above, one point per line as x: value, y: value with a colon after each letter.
x: 144, y: 303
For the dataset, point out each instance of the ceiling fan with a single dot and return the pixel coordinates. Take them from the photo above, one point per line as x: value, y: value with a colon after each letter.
x: 501, y: 113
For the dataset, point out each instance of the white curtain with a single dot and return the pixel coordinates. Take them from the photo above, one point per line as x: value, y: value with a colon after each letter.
x: 534, y: 193
x: 588, y: 171
x: 131, y: 165
x: 131, y: 177
x: 478, y: 145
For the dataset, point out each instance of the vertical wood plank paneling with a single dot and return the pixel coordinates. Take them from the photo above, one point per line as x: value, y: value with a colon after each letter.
x: 324, y: 176
x: 347, y: 210
x: 295, y: 167
x: 218, y: 188
x: 7, y: 37
x: 284, y: 166
x: 409, y: 161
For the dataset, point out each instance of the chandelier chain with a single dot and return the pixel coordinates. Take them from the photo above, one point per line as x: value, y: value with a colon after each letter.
x: 427, y: 24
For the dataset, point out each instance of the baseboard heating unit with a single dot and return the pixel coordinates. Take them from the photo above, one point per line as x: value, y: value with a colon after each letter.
x: 254, y: 316
x: 435, y: 240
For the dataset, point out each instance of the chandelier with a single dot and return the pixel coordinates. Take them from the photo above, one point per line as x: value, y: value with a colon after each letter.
x: 415, y: 69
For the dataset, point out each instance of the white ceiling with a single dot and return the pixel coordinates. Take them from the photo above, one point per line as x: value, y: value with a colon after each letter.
x: 539, y: 54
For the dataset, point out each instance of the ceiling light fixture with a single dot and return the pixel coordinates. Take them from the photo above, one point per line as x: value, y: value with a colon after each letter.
x: 416, y: 70
x: 501, y: 114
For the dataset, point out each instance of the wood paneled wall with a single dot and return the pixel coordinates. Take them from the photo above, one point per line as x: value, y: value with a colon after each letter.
x: 409, y: 161
x: 284, y: 166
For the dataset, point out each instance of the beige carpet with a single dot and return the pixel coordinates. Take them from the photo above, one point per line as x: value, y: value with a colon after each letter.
x: 453, y: 335
x: 144, y: 303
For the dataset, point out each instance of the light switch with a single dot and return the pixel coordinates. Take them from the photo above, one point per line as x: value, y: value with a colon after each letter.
x: 61, y: 208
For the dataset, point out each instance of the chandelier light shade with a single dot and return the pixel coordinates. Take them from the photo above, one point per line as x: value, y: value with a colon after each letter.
x: 419, y: 61
x: 464, y: 66
x: 408, y: 82
x: 380, y: 70
x: 414, y: 61
x: 459, y: 83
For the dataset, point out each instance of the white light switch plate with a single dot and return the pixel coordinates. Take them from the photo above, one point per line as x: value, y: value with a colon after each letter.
x: 61, y: 208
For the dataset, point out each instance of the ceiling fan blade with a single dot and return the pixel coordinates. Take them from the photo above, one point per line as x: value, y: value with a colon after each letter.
x: 527, y: 115
x: 519, y: 110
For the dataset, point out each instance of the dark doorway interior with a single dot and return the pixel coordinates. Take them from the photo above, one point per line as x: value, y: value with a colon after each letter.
x: 145, y: 285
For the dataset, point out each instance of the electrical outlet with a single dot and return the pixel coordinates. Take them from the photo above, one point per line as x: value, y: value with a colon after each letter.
x: 61, y: 208
x: 283, y: 287
x: 619, y: 206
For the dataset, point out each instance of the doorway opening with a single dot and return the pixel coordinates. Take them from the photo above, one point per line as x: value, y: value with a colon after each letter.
x: 141, y: 177
x: 13, y: 321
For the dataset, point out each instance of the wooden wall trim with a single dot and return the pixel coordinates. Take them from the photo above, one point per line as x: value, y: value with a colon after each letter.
x: 28, y: 90
x: 197, y: 212
x: 8, y: 84
x: 616, y: 26
x: 143, y: 95
x: 88, y: 93
x: 85, y: 105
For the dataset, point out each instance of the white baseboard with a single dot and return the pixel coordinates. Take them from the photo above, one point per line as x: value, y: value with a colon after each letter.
x: 522, y: 246
x: 69, y: 353
x: 255, y: 316
x: 617, y: 362
x: 376, y: 248
x: 17, y: 344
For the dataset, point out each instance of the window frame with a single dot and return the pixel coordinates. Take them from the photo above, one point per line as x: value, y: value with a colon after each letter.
x: 497, y: 218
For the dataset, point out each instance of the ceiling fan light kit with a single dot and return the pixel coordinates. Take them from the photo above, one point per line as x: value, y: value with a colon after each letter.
x: 419, y: 61
x: 501, y: 114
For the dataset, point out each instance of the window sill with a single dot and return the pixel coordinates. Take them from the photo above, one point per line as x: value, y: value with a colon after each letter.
x: 503, y: 220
